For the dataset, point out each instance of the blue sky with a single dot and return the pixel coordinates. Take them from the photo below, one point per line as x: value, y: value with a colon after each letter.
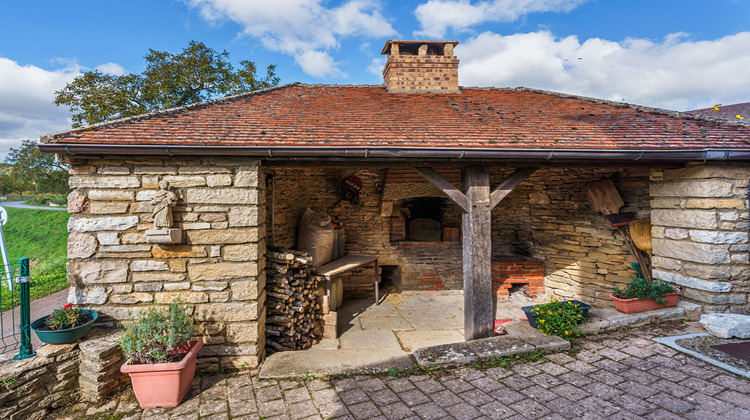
x: 667, y: 53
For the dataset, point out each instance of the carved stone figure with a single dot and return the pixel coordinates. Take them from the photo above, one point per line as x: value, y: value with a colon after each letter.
x: 163, y: 233
x: 163, y: 202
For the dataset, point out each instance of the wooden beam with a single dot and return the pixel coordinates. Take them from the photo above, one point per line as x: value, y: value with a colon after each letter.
x: 446, y: 187
x: 479, y: 313
x: 510, y: 183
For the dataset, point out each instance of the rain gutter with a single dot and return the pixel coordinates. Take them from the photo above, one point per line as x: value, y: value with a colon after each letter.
x: 73, y: 149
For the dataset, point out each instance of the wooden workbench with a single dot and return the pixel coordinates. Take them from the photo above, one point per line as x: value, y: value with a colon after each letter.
x: 345, y: 264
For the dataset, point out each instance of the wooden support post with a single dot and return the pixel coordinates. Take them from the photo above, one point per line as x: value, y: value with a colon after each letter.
x: 479, y: 314
x: 477, y: 203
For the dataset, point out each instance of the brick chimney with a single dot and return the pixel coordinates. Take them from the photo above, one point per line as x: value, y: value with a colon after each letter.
x: 420, y: 66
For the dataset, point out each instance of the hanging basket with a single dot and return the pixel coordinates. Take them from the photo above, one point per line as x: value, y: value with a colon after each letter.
x: 640, y: 232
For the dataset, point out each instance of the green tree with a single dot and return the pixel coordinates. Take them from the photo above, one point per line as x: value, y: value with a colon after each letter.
x: 6, y: 181
x: 196, y: 74
x: 28, y: 168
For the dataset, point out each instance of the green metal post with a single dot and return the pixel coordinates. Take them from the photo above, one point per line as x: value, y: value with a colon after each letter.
x: 24, y: 282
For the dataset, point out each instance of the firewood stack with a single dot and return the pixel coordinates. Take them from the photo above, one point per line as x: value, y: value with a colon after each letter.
x: 292, y: 321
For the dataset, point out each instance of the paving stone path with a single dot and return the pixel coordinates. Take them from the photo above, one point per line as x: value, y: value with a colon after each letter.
x: 617, y: 375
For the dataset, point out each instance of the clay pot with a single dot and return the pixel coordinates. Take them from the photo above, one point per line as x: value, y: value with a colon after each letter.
x: 163, y: 384
x: 631, y: 306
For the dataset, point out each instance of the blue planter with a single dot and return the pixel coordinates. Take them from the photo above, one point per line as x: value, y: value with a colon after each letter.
x: 582, y: 308
x: 64, y: 336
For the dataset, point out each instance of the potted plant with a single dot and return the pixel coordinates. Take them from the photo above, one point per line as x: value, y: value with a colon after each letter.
x: 560, y: 318
x: 64, y: 325
x: 641, y: 296
x: 160, y: 355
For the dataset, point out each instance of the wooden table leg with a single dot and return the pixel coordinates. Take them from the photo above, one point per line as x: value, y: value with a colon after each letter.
x: 328, y: 290
x: 377, y: 285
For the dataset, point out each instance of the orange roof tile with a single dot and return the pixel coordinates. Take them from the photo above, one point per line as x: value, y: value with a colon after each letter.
x: 318, y: 116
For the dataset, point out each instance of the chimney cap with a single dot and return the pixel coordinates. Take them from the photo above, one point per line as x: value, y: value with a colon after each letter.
x: 414, y: 43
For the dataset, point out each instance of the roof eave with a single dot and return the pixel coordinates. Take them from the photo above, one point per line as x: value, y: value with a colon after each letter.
x: 321, y: 153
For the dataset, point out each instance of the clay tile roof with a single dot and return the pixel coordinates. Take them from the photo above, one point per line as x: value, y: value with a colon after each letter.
x: 318, y: 116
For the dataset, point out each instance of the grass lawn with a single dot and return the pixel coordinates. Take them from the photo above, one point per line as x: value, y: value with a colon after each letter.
x: 42, y: 236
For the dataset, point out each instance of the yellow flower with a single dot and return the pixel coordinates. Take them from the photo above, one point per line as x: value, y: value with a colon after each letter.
x: 541, y: 321
x: 579, y: 315
x: 567, y: 332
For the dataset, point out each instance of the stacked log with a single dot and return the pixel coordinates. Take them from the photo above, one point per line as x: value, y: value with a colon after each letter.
x: 292, y: 321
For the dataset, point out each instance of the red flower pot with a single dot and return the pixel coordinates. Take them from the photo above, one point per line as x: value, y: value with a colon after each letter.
x: 631, y: 306
x: 163, y: 384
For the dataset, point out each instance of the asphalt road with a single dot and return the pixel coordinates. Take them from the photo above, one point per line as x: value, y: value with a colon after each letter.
x: 23, y: 205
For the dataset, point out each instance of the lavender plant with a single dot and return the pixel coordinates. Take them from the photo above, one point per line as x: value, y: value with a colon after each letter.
x: 157, y: 334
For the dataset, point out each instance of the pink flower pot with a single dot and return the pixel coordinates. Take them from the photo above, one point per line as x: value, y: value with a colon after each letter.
x: 631, y: 306
x: 163, y: 384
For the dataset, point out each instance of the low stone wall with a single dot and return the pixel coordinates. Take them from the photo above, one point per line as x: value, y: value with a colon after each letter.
x: 89, y: 369
x: 99, y: 373
x: 29, y: 388
x: 700, y: 233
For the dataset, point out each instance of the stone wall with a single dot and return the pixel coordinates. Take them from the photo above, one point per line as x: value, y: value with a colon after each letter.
x: 547, y: 218
x: 29, y: 388
x: 218, y: 267
x: 584, y: 255
x: 367, y: 232
x: 700, y: 233
x: 99, y: 371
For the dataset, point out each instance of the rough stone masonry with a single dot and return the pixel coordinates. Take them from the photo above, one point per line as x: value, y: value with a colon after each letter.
x: 700, y: 229
x: 218, y: 268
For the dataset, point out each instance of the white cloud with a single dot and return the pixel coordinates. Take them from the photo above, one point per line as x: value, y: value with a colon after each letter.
x: 376, y: 66
x: 111, y: 68
x: 304, y: 29
x: 317, y: 64
x: 675, y: 73
x: 437, y: 16
x: 27, y: 93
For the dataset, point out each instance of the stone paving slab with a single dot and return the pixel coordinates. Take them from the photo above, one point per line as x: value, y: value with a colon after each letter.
x: 620, y: 375
x: 334, y: 362
x: 425, y: 338
x: 521, y: 338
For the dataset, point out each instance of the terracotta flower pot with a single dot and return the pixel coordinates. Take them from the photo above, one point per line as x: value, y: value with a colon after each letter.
x: 631, y: 306
x: 163, y: 384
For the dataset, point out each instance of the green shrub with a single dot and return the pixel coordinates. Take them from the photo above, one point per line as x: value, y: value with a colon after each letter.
x: 156, y: 334
x: 559, y: 318
x: 59, y: 200
x: 639, y: 288
x: 43, y: 200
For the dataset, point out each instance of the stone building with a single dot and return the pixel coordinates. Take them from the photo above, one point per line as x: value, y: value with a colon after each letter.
x: 245, y: 167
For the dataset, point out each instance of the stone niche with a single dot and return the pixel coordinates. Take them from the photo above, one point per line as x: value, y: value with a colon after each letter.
x: 218, y: 268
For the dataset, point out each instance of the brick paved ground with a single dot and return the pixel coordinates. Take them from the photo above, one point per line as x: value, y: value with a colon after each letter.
x: 618, y: 375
